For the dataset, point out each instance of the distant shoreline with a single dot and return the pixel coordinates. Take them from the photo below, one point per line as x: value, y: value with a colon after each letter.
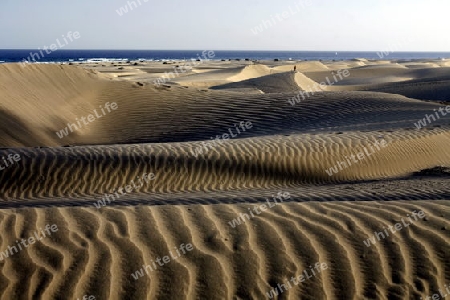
x: 60, y: 56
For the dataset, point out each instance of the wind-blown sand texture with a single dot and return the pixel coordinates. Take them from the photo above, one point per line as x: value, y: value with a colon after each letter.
x: 199, y: 190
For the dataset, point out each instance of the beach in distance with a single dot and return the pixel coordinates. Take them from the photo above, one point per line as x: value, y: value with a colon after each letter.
x: 389, y: 52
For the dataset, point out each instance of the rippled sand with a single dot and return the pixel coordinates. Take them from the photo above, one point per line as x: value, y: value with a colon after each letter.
x: 200, y: 187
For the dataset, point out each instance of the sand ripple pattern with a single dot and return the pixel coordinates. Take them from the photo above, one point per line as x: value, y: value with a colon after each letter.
x: 275, y: 161
x: 95, y: 251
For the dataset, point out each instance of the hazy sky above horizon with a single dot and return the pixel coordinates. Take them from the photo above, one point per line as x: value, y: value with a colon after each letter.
x: 354, y: 25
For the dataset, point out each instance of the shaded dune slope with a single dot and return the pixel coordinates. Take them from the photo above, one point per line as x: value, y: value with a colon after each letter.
x: 286, y: 82
x: 436, y: 90
x: 274, y: 83
x: 422, y: 83
x: 276, y: 161
x: 367, y: 73
x: 147, y: 114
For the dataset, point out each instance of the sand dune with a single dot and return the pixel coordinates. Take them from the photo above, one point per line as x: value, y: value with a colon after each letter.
x: 251, y: 71
x: 274, y: 83
x: 351, y: 161
x: 436, y: 90
x: 156, y: 110
x: 222, y: 76
x: 96, y: 251
x: 304, y: 66
x: 253, y: 162
x: 376, y: 74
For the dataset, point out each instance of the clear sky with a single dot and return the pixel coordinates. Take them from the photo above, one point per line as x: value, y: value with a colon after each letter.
x: 354, y: 25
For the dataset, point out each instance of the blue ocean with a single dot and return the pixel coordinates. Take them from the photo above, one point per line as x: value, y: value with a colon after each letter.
x: 85, y: 55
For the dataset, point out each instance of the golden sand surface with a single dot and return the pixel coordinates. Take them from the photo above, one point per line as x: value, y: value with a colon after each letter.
x: 234, y: 180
